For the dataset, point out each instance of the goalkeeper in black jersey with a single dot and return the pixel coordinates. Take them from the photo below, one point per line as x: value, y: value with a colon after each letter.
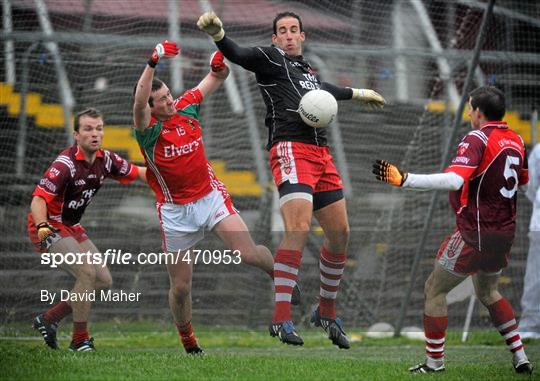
x: 303, y: 169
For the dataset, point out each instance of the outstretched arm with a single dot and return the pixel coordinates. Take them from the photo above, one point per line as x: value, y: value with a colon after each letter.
x: 389, y: 173
x: 218, y: 73
x: 141, y: 108
x: 371, y: 99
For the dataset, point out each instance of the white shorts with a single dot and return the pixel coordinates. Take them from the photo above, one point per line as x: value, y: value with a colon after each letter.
x: 183, y: 225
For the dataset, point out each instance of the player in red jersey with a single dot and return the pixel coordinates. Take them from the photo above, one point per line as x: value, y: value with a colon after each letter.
x: 190, y: 199
x: 308, y: 182
x: 58, y: 204
x: 483, y: 180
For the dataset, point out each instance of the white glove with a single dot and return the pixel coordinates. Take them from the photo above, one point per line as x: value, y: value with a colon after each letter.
x: 211, y: 24
x: 370, y: 98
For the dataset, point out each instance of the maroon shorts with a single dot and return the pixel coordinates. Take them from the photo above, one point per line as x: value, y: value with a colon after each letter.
x: 456, y: 256
x: 75, y: 231
x: 300, y: 163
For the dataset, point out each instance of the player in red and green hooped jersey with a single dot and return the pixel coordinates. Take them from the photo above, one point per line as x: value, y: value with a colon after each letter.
x: 190, y: 199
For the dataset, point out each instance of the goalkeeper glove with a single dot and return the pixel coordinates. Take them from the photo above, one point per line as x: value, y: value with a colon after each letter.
x: 389, y: 173
x: 163, y: 49
x: 370, y: 98
x: 217, y: 62
x: 46, y: 233
x: 211, y: 24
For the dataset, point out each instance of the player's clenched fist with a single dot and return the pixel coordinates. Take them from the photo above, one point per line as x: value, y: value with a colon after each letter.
x: 211, y: 24
x: 217, y: 62
x: 389, y: 173
x: 370, y: 98
x: 163, y: 49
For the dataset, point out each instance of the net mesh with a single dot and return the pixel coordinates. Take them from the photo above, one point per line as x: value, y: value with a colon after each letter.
x: 387, y: 46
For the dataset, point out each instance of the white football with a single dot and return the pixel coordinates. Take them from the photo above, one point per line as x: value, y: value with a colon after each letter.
x: 318, y: 108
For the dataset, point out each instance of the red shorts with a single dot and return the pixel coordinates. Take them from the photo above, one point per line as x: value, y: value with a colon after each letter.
x: 460, y: 258
x: 75, y: 231
x: 301, y: 163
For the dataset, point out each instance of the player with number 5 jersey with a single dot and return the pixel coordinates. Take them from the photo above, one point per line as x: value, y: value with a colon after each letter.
x: 483, y: 178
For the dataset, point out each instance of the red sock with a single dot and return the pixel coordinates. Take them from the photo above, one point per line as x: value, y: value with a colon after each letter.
x: 435, y: 331
x: 286, y: 264
x: 80, y: 332
x: 331, y: 266
x: 504, y: 321
x: 57, y: 312
x: 187, y: 336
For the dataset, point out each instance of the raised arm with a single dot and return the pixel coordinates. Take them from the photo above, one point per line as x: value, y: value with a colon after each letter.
x: 218, y: 73
x: 141, y: 108
x: 250, y: 58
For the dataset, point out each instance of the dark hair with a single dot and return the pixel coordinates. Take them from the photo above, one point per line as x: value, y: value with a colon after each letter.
x: 490, y: 100
x: 282, y: 15
x: 91, y: 112
x: 156, y: 85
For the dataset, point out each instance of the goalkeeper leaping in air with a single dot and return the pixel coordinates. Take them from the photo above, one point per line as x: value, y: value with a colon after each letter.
x: 189, y: 197
x: 304, y: 172
x: 483, y: 180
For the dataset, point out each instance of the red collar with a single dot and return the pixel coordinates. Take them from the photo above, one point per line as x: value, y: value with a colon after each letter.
x: 79, y: 155
x: 497, y: 124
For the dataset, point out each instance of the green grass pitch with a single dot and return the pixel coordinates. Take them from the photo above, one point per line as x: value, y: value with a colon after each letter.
x: 151, y: 351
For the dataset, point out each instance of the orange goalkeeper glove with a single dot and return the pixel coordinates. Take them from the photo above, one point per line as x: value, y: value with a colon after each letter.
x: 389, y: 173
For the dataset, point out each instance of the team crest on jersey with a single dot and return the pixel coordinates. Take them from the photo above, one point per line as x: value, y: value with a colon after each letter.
x: 462, y: 148
x: 191, y: 124
x: 53, y: 172
x: 287, y: 169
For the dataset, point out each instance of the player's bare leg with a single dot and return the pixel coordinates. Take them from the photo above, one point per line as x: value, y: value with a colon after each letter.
x: 180, y: 276
x: 234, y: 233
x: 439, y: 283
x: 296, y: 215
x: 103, y: 275
x: 335, y: 225
x: 502, y: 316
x: 85, y: 276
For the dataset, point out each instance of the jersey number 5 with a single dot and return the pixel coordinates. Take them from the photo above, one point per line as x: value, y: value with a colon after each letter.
x: 509, y: 173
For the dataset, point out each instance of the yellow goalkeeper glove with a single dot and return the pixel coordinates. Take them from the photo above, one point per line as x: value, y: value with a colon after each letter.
x: 211, y: 24
x: 389, y: 173
x: 372, y: 99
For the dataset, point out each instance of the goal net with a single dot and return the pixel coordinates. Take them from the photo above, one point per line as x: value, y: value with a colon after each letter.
x: 414, y: 53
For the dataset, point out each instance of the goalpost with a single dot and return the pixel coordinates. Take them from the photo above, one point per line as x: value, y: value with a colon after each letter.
x: 412, y: 52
